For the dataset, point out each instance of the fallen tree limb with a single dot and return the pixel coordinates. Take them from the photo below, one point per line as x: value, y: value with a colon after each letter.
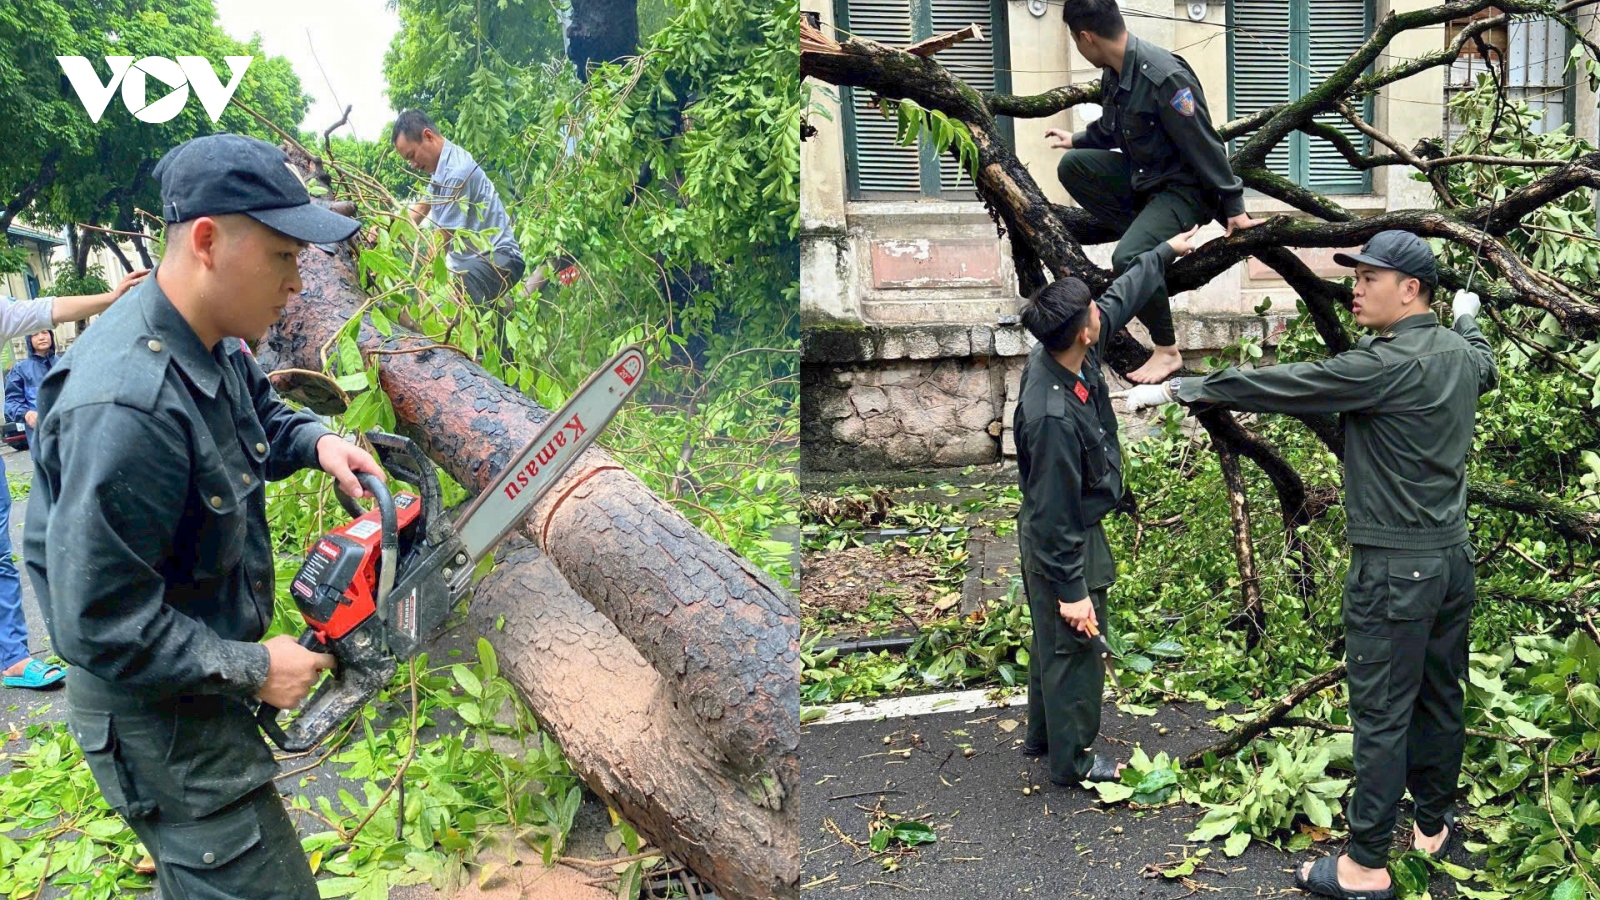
x: 1244, y: 734
x: 721, y: 637
x: 619, y: 723
x: 723, y: 632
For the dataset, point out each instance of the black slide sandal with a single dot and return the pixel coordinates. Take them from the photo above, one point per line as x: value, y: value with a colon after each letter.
x: 1449, y: 838
x: 1324, y: 880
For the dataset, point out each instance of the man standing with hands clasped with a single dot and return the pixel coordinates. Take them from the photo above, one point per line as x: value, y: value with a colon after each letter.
x: 1407, y: 397
x: 1070, y: 467
x: 147, y: 536
x: 1172, y: 172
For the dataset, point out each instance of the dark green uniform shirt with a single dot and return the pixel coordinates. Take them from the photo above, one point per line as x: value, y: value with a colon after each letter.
x: 147, y: 537
x: 1068, y: 459
x: 1407, y: 399
x: 1156, y: 114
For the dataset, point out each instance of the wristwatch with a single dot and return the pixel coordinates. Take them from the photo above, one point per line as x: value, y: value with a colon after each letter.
x: 1172, y: 388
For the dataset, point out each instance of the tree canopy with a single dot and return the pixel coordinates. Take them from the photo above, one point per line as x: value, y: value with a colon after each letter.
x: 63, y: 168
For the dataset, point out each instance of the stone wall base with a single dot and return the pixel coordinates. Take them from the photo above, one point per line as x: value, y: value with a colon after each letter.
x: 881, y: 398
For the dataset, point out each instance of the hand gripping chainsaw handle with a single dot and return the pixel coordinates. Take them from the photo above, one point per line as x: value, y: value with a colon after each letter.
x: 359, y: 675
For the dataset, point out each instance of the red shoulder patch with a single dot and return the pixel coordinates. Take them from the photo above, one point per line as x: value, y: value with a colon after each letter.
x: 1081, y: 391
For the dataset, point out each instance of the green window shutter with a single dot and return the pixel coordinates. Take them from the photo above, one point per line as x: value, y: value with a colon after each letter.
x: 877, y: 167
x: 1336, y: 31
x: 1280, y: 50
x: 972, y: 62
x: 1259, y: 65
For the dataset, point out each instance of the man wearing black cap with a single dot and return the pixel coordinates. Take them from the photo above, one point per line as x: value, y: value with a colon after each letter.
x: 147, y: 538
x: 1407, y: 397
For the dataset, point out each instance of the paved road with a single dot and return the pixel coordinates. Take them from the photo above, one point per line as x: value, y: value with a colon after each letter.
x: 994, y: 840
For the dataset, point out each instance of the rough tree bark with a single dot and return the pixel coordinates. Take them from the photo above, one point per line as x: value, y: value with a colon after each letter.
x: 721, y: 636
x: 619, y: 719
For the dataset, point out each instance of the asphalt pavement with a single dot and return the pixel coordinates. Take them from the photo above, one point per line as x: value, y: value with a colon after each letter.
x: 1003, y: 829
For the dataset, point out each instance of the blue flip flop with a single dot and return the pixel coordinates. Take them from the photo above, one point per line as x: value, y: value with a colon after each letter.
x: 36, y: 676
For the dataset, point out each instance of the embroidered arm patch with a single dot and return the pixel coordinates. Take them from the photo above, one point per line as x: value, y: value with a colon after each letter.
x: 1183, y: 102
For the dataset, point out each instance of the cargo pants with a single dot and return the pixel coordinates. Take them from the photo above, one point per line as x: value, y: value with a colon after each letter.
x: 1406, y: 616
x: 193, y: 778
x: 1066, y: 681
x: 1100, y: 182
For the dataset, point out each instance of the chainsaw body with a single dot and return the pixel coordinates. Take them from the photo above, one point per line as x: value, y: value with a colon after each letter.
x: 367, y: 618
x: 377, y: 589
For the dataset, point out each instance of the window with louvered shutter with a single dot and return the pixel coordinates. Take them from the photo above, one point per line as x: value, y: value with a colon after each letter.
x: 879, y: 168
x: 1280, y: 50
x: 1536, y: 51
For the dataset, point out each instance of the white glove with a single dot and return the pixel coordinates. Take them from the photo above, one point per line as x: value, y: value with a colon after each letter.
x: 1465, y: 304
x: 1141, y: 396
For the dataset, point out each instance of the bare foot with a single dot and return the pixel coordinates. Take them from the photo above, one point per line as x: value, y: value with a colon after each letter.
x: 1428, y: 845
x: 1162, y: 363
x: 1353, y: 876
x: 16, y: 669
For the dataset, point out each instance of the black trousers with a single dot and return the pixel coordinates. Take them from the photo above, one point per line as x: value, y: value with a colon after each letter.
x: 1100, y: 182
x: 1406, y: 616
x: 1066, y: 683
x: 193, y: 778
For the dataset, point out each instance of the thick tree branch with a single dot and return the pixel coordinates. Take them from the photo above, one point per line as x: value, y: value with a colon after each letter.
x: 1573, y: 522
x: 1322, y: 297
x: 1282, y: 189
x: 1236, y: 740
x: 1004, y: 183
x: 1252, y: 615
x: 1039, y: 106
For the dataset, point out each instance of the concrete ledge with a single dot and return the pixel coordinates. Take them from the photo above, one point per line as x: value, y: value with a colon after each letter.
x: 840, y: 344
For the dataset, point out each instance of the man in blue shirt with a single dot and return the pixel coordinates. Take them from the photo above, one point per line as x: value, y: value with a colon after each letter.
x: 461, y: 198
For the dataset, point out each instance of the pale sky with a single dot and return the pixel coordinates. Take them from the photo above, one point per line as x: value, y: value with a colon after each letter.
x: 349, y: 37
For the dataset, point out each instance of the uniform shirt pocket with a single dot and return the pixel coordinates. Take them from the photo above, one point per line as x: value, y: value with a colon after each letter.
x: 220, y: 539
x: 1415, y: 587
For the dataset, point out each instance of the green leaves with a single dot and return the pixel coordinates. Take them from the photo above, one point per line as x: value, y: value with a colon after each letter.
x: 914, y: 123
x: 908, y: 834
x: 1144, y: 782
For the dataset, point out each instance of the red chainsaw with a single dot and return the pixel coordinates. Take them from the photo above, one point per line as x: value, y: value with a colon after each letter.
x: 377, y: 589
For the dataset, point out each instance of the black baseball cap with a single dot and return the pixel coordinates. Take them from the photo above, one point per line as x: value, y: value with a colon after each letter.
x: 222, y: 174
x: 1399, y: 250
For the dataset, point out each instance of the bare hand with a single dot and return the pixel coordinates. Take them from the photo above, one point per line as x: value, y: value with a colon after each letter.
x: 1060, y: 140
x: 128, y: 281
x: 31, y: 417
x: 1241, y: 222
x: 292, y: 671
x: 1184, y: 244
x: 1079, y: 615
x: 343, y: 460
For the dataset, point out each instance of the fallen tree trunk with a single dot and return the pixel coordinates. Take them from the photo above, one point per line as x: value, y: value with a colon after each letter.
x: 619, y: 719
x: 718, y: 636
x: 724, y: 634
